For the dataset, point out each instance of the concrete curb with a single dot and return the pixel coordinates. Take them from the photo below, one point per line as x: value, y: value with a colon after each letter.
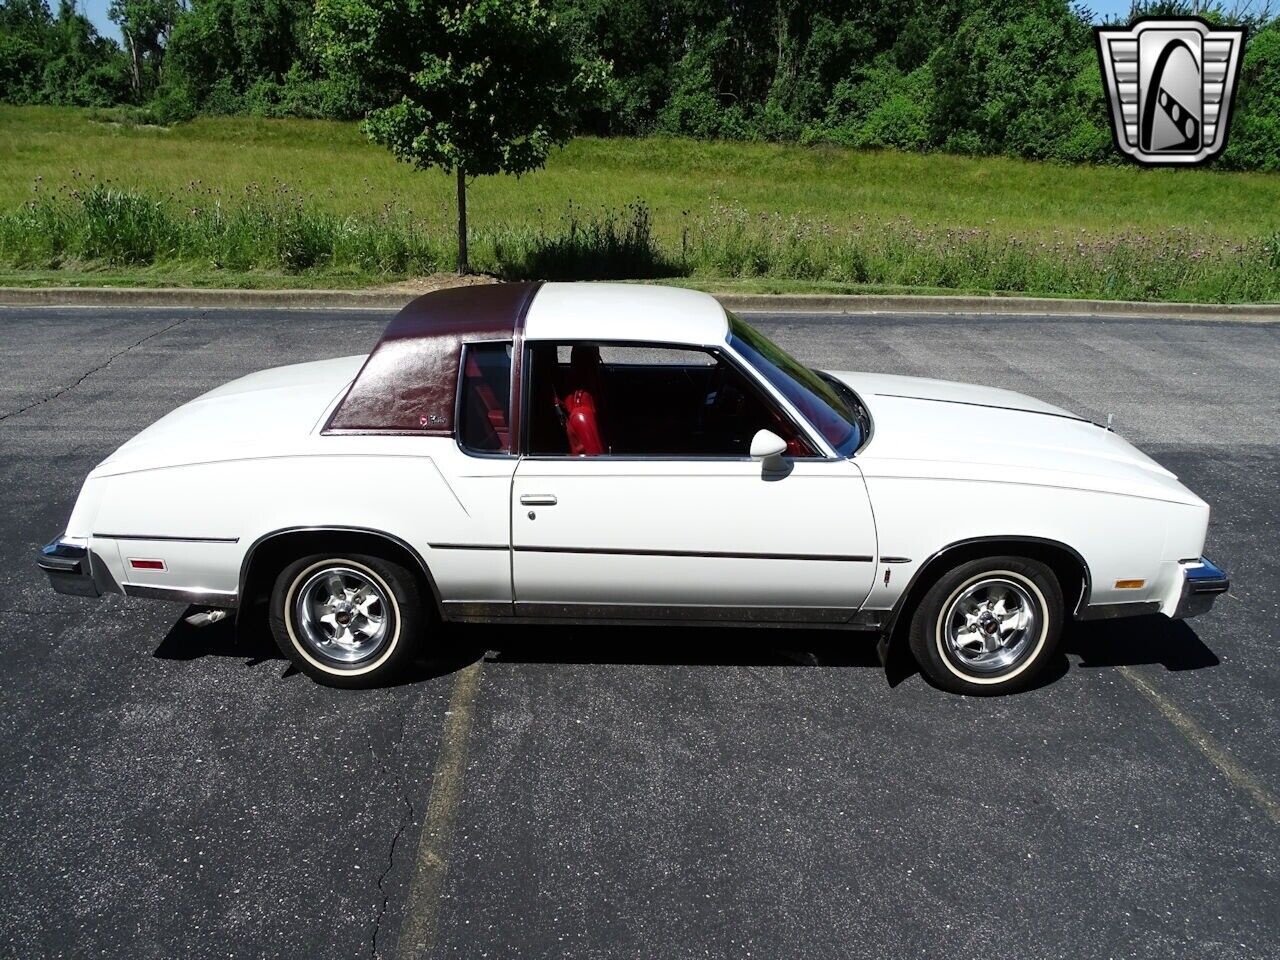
x: 998, y: 306
x: 183, y: 297
x: 754, y: 303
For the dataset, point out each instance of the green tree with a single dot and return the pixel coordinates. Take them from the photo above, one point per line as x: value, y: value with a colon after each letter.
x: 26, y: 28
x: 477, y: 88
x: 220, y: 49
x: 1254, y: 141
x: 640, y: 39
x: 880, y: 106
x: 56, y: 59
x: 145, y: 25
x: 1006, y: 79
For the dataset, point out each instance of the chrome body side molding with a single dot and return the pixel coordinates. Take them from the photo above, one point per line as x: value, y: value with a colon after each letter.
x: 1111, y: 611
x: 222, y: 599
x: 840, y: 618
x: 722, y: 554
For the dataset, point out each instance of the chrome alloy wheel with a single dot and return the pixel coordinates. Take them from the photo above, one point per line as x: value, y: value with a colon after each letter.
x: 342, y: 614
x: 991, y: 625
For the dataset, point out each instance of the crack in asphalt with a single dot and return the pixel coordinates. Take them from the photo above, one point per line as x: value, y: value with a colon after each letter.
x: 406, y: 819
x: 100, y: 367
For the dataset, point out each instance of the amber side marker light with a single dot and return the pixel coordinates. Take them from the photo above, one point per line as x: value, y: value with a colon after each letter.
x: 1130, y: 584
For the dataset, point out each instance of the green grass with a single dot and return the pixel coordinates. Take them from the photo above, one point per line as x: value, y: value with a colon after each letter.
x: 236, y: 201
x: 178, y: 275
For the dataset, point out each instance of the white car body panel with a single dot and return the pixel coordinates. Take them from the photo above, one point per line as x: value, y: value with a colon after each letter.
x: 692, y: 533
x: 270, y: 414
x: 954, y: 462
x: 946, y: 463
x: 620, y: 312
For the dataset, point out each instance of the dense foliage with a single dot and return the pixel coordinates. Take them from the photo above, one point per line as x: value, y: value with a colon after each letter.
x: 57, y: 58
x: 1017, y: 77
x: 485, y: 87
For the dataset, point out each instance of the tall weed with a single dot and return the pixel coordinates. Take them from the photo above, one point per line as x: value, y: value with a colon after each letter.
x: 277, y: 229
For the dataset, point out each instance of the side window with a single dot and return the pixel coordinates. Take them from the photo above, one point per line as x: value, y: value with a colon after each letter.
x: 591, y: 400
x: 484, y: 406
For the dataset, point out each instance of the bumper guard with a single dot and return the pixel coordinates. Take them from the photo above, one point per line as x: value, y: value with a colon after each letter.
x: 69, y: 568
x: 1202, y: 583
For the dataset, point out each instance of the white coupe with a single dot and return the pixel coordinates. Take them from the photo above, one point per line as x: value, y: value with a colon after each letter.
x: 535, y: 453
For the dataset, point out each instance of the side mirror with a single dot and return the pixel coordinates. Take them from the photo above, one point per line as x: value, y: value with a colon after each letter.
x: 768, y: 447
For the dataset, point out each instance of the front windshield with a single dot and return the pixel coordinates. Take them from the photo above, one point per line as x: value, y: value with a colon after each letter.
x: 818, y: 401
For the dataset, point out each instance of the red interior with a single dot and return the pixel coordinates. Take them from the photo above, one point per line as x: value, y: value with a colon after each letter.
x: 633, y: 406
x: 583, y: 401
x: 495, y: 412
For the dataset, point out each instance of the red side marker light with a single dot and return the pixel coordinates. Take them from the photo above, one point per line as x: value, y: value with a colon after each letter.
x: 146, y: 564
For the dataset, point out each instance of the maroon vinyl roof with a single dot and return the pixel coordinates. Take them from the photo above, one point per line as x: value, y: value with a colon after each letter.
x: 409, y: 383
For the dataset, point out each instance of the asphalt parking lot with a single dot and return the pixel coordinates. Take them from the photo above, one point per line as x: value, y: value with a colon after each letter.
x: 173, y: 792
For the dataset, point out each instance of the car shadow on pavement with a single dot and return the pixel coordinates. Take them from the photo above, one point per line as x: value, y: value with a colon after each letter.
x: 677, y: 646
x: 1129, y: 642
x: 1109, y: 643
x: 254, y: 645
x: 222, y: 639
x: 1134, y: 641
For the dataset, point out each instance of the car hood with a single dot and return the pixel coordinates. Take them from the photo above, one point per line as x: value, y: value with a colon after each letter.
x: 269, y: 413
x: 951, y: 430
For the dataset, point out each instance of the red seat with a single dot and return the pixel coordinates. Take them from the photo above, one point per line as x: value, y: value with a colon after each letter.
x: 498, y: 433
x: 583, y: 403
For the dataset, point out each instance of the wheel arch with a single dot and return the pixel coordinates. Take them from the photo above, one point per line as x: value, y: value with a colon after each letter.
x: 271, y: 552
x: 1067, y: 564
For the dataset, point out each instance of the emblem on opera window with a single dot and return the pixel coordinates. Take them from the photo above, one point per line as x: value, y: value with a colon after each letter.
x: 1170, y: 83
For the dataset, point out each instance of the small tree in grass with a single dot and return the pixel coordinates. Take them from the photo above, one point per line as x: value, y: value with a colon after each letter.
x: 473, y: 88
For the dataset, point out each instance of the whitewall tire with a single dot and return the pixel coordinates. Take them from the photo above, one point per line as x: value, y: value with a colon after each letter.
x: 988, y: 626
x: 347, y: 620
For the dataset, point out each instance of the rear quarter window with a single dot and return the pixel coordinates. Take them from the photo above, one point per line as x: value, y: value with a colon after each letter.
x: 484, y: 403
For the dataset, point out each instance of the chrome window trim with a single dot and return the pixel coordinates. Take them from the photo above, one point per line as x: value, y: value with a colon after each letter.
x: 787, y: 406
x: 512, y: 410
x: 721, y: 352
x: 641, y: 458
x: 871, y: 420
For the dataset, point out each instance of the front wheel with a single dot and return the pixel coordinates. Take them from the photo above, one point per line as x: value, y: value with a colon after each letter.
x: 988, y: 626
x: 347, y: 620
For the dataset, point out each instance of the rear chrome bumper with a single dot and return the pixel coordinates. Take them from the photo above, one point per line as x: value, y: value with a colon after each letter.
x: 70, y: 570
x: 1202, y: 583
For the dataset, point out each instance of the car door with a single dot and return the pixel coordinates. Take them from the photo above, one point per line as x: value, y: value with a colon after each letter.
x: 466, y: 505
x: 687, y: 528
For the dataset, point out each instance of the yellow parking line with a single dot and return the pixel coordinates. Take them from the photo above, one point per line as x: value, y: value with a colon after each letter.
x: 1238, y: 775
x: 418, y: 930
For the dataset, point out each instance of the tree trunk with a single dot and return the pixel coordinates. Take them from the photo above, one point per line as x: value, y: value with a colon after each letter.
x: 135, y: 65
x: 463, y: 265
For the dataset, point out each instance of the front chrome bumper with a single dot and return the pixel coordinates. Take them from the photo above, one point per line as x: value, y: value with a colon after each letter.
x: 69, y: 567
x: 1202, y: 583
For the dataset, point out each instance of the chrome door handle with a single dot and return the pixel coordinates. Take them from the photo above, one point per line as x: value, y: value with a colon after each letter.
x: 538, y: 499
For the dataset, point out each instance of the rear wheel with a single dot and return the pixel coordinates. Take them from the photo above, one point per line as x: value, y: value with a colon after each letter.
x: 347, y: 620
x: 988, y: 626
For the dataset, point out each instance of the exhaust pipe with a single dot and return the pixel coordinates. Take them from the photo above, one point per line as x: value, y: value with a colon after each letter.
x: 206, y: 617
